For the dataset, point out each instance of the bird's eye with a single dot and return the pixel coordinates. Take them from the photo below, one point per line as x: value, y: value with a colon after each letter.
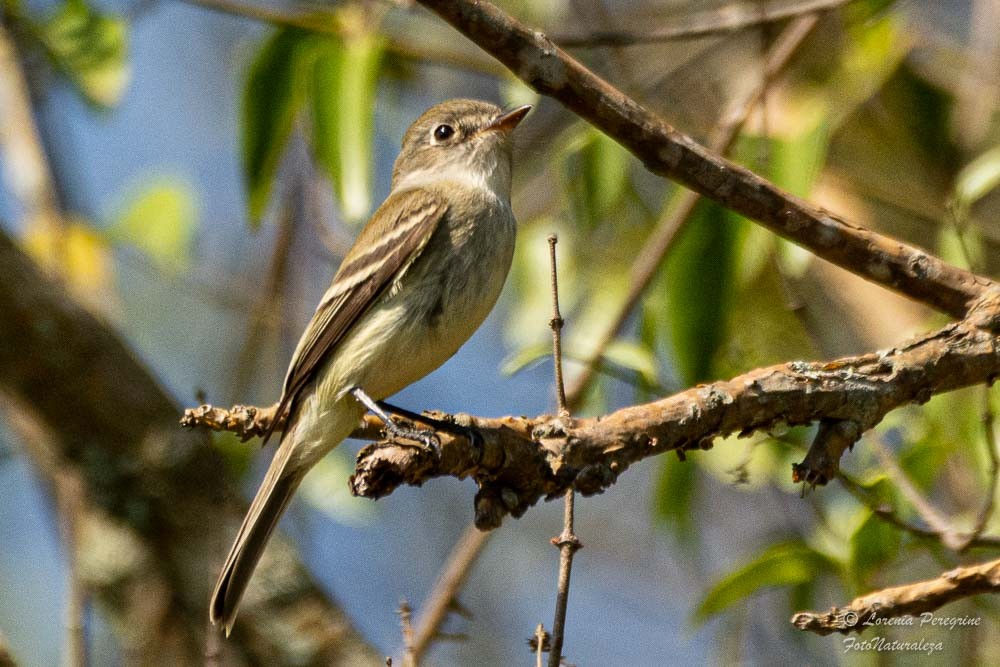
x: 443, y: 132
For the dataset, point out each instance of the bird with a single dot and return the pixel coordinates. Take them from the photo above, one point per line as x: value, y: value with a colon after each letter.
x: 423, y: 274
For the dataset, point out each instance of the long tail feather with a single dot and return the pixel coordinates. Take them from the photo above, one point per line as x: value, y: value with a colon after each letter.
x: 265, y: 511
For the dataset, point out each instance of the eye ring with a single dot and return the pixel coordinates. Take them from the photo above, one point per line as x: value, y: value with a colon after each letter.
x: 443, y: 132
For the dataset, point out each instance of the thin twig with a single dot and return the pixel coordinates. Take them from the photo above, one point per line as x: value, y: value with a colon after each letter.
x: 541, y: 638
x: 323, y: 22
x: 405, y: 614
x: 719, y: 21
x: 567, y: 542
x: 69, y: 498
x: 676, y: 215
x: 930, y: 514
x: 445, y: 592
x: 891, y: 516
x: 556, y: 324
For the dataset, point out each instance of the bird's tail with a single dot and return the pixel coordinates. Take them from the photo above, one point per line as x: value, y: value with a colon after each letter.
x: 266, y: 509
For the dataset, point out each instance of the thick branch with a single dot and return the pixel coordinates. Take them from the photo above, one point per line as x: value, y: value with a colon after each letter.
x: 918, y: 600
x: 518, y: 460
x: 157, y: 495
x: 536, y: 60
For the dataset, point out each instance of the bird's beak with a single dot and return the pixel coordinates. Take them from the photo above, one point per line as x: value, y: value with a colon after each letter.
x: 508, y: 121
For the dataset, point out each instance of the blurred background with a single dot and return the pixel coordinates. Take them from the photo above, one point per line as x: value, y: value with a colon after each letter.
x: 191, y: 173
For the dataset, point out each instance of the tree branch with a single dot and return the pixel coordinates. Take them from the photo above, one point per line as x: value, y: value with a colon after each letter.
x: 537, y: 61
x: 518, y: 460
x: 156, y: 494
x: 910, y: 600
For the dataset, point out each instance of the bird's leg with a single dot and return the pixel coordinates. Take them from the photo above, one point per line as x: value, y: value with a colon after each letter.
x: 426, y: 438
x: 448, y: 427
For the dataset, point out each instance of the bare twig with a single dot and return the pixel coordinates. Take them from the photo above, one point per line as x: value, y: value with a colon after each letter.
x: 556, y: 324
x: 891, y: 516
x: 70, y: 500
x: 324, y: 22
x: 405, y: 614
x: 676, y: 215
x: 445, y: 592
x: 540, y: 644
x: 536, y: 60
x: 567, y: 541
x: 917, y: 599
x: 722, y: 20
x: 933, y: 517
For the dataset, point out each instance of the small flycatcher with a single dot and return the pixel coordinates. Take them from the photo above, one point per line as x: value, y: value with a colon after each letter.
x: 422, y: 276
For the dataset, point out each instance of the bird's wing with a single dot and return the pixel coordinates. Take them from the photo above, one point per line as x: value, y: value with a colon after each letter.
x: 393, y: 238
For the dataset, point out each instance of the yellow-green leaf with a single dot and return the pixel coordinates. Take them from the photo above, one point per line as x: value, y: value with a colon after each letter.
x: 160, y: 221
x: 782, y: 564
x: 91, y: 49
x: 345, y: 83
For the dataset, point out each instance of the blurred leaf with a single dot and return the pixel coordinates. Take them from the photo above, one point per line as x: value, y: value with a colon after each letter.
x: 90, y: 48
x: 873, y: 544
x: 273, y: 95
x: 324, y: 490
x: 524, y: 357
x: 978, y: 178
x: 161, y: 222
x: 676, y: 487
x: 699, y: 277
x: 781, y: 564
x: 344, y: 86
x: 75, y: 252
x: 633, y: 357
x: 598, y: 171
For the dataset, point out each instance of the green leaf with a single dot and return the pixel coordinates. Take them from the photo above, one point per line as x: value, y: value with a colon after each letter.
x: 527, y: 356
x: 676, y: 487
x: 699, y: 281
x: 789, y: 563
x: 598, y: 171
x: 634, y: 357
x: 324, y: 490
x: 977, y: 179
x: 161, y: 222
x: 273, y: 95
x: 345, y: 82
x: 873, y: 544
x: 91, y: 49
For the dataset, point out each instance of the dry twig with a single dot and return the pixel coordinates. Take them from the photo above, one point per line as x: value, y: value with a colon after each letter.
x: 917, y: 600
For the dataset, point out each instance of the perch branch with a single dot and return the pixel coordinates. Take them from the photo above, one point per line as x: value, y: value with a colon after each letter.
x: 917, y: 600
x: 539, y: 62
x: 518, y: 460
